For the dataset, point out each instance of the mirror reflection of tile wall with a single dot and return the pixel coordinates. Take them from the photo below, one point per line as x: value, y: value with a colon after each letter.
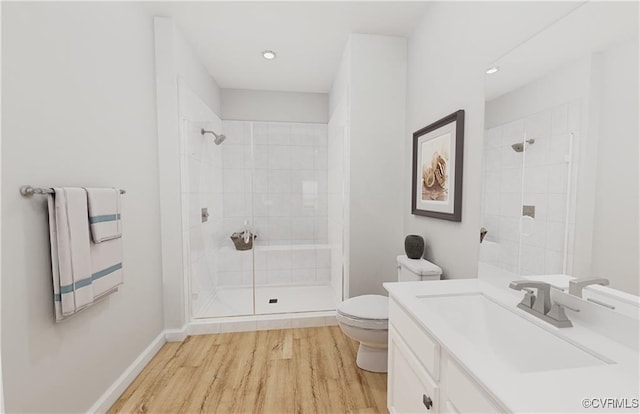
x: 537, y: 177
x: 585, y: 82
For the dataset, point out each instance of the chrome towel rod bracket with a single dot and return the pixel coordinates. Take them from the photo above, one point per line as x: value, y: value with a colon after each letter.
x: 28, y: 191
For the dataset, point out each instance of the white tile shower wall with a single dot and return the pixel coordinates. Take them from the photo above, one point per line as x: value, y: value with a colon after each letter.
x: 538, y: 177
x: 275, y: 179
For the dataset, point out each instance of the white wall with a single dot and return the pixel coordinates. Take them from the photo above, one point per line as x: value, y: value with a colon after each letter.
x: 436, y: 90
x: 338, y: 175
x: 615, y: 229
x: 374, y: 88
x: 1, y: 383
x: 252, y: 105
x: 337, y: 213
x: 447, y: 56
x: 192, y: 72
x: 174, y: 60
x: 377, y: 99
x: 78, y: 110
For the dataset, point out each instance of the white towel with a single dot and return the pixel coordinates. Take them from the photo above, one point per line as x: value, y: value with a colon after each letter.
x: 74, y: 254
x: 104, y: 213
x: 106, y: 266
x: 72, y: 245
x: 55, y: 269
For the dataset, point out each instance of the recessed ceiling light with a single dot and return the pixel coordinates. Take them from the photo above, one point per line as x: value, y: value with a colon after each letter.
x: 269, y: 54
x: 492, y: 70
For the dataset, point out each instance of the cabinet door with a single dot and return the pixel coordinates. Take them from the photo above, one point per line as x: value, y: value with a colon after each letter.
x: 461, y: 393
x: 410, y: 388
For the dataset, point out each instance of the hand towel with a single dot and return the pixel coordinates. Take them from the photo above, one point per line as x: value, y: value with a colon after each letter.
x: 106, y: 266
x: 104, y: 213
x: 73, y: 250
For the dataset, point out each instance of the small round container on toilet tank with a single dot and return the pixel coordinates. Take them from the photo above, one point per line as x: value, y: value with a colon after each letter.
x: 414, y: 246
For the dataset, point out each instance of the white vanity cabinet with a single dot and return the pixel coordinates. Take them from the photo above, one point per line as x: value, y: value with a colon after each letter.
x: 410, y: 388
x: 423, y: 378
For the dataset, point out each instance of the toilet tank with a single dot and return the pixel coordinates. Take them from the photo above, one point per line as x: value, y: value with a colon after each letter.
x: 412, y: 270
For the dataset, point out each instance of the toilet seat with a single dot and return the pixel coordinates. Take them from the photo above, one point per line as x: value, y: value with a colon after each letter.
x: 366, y: 312
x: 371, y: 324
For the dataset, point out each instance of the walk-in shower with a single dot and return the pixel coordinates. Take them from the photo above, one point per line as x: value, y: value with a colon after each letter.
x: 270, y: 181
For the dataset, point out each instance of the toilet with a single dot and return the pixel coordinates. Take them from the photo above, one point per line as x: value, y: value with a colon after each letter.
x: 366, y: 318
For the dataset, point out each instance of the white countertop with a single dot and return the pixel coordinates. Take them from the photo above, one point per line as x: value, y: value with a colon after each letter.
x: 557, y: 390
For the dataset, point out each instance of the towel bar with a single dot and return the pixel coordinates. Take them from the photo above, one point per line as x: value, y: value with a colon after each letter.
x: 28, y: 191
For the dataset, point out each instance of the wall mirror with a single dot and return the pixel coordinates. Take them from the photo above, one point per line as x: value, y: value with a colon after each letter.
x: 560, y: 173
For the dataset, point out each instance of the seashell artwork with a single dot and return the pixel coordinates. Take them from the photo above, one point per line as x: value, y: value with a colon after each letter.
x: 435, y: 176
x: 437, y: 168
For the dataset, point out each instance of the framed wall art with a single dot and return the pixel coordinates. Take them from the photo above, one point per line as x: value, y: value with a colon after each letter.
x: 437, y: 168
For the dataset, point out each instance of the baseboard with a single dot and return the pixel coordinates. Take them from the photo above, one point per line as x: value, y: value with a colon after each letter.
x: 176, y: 335
x: 261, y: 322
x: 118, y: 387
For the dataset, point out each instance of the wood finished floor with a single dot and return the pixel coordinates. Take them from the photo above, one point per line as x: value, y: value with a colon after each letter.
x: 309, y: 370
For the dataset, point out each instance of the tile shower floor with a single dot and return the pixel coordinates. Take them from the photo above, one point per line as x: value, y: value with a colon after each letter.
x: 236, y: 301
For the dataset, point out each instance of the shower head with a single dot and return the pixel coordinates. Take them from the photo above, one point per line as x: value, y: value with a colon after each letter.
x: 217, y: 139
x: 519, y: 146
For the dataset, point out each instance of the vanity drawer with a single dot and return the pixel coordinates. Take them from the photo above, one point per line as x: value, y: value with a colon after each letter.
x: 410, y: 388
x: 425, y: 349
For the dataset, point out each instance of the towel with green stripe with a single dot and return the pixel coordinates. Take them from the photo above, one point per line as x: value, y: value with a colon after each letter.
x: 104, y: 214
x: 83, y: 271
x: 71, y: 251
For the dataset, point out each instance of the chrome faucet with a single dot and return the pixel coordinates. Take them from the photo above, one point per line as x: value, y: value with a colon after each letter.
x: 540, y: 305
x: 576, y: 285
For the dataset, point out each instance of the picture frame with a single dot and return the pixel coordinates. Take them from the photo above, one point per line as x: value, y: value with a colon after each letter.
x: 438, y: 152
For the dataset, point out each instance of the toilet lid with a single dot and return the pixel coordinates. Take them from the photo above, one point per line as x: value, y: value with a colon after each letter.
x: 366, y: 307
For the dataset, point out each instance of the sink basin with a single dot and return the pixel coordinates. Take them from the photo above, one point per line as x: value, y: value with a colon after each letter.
x: 504, y: 336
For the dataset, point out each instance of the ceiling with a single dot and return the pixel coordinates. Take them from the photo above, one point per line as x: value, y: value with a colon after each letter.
x: 592, y: 27
x: 308, y: 37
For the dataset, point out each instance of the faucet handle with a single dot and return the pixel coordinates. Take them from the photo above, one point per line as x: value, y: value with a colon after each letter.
x: 540, y: 305
x: 542, y: 302
x: 557, y: 314
x: 576, y: 285
x: 529, y: 298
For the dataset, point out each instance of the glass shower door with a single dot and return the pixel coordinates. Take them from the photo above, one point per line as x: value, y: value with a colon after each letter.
x: 273, y: 245
x: 293, y: 270
x: 235, y: 273
x: 222, y: 275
